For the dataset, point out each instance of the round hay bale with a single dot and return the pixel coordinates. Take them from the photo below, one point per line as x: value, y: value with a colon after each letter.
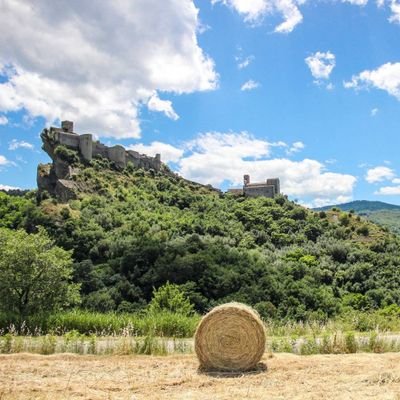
x: 231, y: 337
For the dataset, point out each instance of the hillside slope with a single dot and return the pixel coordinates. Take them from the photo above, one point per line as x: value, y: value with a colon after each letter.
x: 362, y: 206
x: 385, y: 214
x: 132, y: 230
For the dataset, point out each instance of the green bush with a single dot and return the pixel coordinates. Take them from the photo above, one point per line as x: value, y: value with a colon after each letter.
x: 66, y: 154
x: 170, y: 297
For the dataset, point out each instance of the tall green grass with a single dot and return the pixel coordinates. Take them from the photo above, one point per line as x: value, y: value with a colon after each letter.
x: 169, y: 324
x: 165, y: 324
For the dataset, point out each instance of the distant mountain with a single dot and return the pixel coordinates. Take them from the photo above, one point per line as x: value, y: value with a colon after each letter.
x: 360, y: 206
x: 381, y: 213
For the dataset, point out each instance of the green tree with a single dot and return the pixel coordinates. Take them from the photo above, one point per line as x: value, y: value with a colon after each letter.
x: 35, y: 274
x: 170, y: 297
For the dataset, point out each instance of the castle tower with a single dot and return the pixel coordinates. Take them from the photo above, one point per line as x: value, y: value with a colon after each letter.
x: 246, y: 180
x: 157, y: 162
x: 118, y: 155
x: 67, y: 126
x: 86, y: 146
x: 276, y: 184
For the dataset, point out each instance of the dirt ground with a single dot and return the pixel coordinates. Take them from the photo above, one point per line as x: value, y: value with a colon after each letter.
x: 287, y: 376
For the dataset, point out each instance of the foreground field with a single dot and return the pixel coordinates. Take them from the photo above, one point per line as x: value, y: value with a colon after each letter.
x: 67, y: 376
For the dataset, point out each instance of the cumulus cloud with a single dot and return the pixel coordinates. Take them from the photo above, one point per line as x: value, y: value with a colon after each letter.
x: 17, y: 144
x: 386, y: 77
x: 3, y: 161
x: 216, y: 157
x: 356, y: 2
x: 295, y: 147
x: 219, y: 157
x: 249, y: 85
x: 168, y: 152
x: 379, y: 174
x: 395, y: 8
x: 321, y: 64
x: 98, y: 62
x: 3, y: 120
x: 388, y: 191
x: 254, y: 11
x: 164, y: 106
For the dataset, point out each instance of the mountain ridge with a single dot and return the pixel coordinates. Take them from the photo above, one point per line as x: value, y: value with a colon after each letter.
x: 361, y: 205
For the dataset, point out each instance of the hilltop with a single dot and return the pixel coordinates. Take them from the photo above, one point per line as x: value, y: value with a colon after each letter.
x: 132, y: 228
x: 360, y: 206
x: 385, y: 214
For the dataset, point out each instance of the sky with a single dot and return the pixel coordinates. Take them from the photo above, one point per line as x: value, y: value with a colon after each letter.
x: 304, y: 90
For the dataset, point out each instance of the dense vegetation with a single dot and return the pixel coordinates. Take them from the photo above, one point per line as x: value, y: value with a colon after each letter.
x: 133, y: 230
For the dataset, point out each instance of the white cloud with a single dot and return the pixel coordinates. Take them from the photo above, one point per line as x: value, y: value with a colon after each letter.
x: 3, y: 120
x: 395, y: 8
x: 396, y: 181
x: 386, y: 77
x: 250, y: 85
x: 321, y: 202
x: 356, y: 2
x: 374, y: 112
x: 165, y: 106
x: 3, y: 160
x: 7, y: 188
x: 97, y: 62
x: 244, y: 62
x: 388, y: 191
x: 16, y: 144
x: 168, y: 152
x: 295, y: 147
x: 379, y: 174
x: 217, y: 157
x: 321, y: 64
x: 255, y: 10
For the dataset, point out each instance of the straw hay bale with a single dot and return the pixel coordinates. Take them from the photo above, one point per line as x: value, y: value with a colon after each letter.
x: 231, y: 337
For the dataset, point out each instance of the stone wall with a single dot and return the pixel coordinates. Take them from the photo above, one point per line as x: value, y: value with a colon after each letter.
x: 89, y: 149
x: 259, y: 190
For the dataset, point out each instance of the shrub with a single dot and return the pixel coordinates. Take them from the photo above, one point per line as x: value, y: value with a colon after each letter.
x: 170, y: 297
x: 344, y: 219
x: 66, y: 154
x: 363, y: 230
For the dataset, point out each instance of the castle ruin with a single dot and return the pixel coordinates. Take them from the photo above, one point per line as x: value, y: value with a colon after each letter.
x: 89, y: 148
x: 270, y: 188
x: 57, y: 178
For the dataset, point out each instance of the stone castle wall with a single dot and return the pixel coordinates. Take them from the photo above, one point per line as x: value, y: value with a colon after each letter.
x: 261, y: 190
x: 89, y: 149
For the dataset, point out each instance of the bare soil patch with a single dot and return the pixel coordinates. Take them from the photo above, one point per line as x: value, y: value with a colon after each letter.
x: 66, y: 376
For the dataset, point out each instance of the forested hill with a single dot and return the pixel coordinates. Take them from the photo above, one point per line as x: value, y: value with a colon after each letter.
x: 132, y: 230
x: 387, y: 215
x: 362, y: 206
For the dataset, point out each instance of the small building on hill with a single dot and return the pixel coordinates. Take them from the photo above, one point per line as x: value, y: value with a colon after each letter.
x: 270, y: 188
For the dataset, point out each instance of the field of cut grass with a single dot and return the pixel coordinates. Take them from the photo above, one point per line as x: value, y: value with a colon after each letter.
x: 284, y: 376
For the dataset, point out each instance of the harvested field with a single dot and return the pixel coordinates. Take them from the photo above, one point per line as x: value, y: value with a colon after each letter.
x: 288, y: 376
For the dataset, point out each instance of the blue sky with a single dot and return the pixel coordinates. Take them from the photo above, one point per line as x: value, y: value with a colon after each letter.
x: 308, y: 91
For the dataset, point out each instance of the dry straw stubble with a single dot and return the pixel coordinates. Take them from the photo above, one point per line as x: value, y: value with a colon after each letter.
x: 231, y: 337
